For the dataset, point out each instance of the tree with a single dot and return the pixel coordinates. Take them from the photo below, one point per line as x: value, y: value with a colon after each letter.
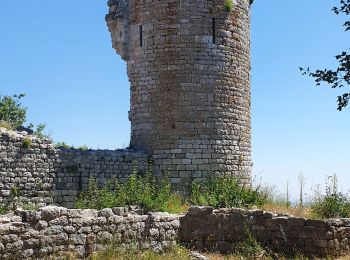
x: 339, y: 77
x: 12, y: 111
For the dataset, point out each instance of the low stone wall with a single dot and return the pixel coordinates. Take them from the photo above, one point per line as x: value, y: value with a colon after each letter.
x: 56, y: 231
x: 37, y: 173
x: 221, y: 230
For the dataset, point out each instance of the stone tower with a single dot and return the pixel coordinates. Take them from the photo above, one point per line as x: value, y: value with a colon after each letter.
x: 188, y: 63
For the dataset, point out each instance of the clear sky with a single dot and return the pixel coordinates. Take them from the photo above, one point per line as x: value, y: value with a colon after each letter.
x: 59, y: 53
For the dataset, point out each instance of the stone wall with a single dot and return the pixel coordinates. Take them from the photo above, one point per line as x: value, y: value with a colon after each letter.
x: 75, y: 167
x: 54, y: 231
x: 27, y: 168
x: 40, y: 174
x: 220, y: 230
x: 189, y: 68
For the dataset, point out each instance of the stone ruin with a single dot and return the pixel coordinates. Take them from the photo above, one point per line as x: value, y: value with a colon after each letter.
x: 189, y: 67
x: 55, y: 231
x: 188, y: 63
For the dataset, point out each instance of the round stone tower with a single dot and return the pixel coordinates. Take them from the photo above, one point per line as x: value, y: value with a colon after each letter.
x: 188, y: 63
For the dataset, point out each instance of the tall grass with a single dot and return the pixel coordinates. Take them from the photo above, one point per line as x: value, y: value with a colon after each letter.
x: 223, y: 192
x: 334, y: 204
x: 141, y: 190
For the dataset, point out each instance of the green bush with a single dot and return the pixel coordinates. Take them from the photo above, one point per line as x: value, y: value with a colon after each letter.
x: 143, y: 191
x: 225, y: 192
x: 26, y: 143
x: 11, y: 110
x: 83, y: 148
x: 3, y: 209
x: 39, y: 131
x: 63, y: 145
x: 228, y: 5
x: 334, y: 204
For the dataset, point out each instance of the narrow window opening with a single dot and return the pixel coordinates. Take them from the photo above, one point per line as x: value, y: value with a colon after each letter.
x: 141, y: 36
x: 214, y: 30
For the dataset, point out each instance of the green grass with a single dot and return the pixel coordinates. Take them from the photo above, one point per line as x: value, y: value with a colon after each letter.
x: 226, y: 192
x: 228, y: 5
x: 176, y: 253
x: 140, y: 190
x: 4, y: 209
x: 156, y: 195
x: 26, y: 143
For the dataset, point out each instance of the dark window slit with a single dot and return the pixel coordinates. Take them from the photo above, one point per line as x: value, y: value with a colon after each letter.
x: 214, y: 30
x: 141, y: 35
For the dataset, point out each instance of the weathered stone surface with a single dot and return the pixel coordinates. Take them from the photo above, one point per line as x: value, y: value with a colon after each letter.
x: 40, y: 174
x: 82, y: 231
x: 213, y: 230
x: 202, y: 228
x: 189, y: 67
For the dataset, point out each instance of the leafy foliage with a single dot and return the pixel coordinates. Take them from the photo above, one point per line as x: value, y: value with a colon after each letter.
x: 4, y: 209
x: 13, y: 116
x: 222, y: 192
x: 63, y: 145
x: 12, y: 111
x: 39, y: 131
x: 143, y: 191
x: 334, y: 204
x: 249, y: 248
x: 26, y: 143
x: 228, y: 5
x: 339, y: 77
x: 345, y: 9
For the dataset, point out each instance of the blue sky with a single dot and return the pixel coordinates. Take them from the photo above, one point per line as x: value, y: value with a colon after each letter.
x: 59, y: 53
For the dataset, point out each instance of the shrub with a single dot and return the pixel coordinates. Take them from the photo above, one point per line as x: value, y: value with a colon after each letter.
x: 63, y: 145
x: 4, y: 209
x: 39, y: 131
x: 228, y: 5
x: 12, y: 111
x: 223, y: 192
x: 144, y: 191
x: 26, y: 143
x: 248, y: 248
x: 334, y: 204
x: 83, y: 148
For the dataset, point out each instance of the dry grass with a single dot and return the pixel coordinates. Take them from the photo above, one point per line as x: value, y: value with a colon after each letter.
x: 5, y: 125
x: 301, y: 212
x: 176, y: 253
